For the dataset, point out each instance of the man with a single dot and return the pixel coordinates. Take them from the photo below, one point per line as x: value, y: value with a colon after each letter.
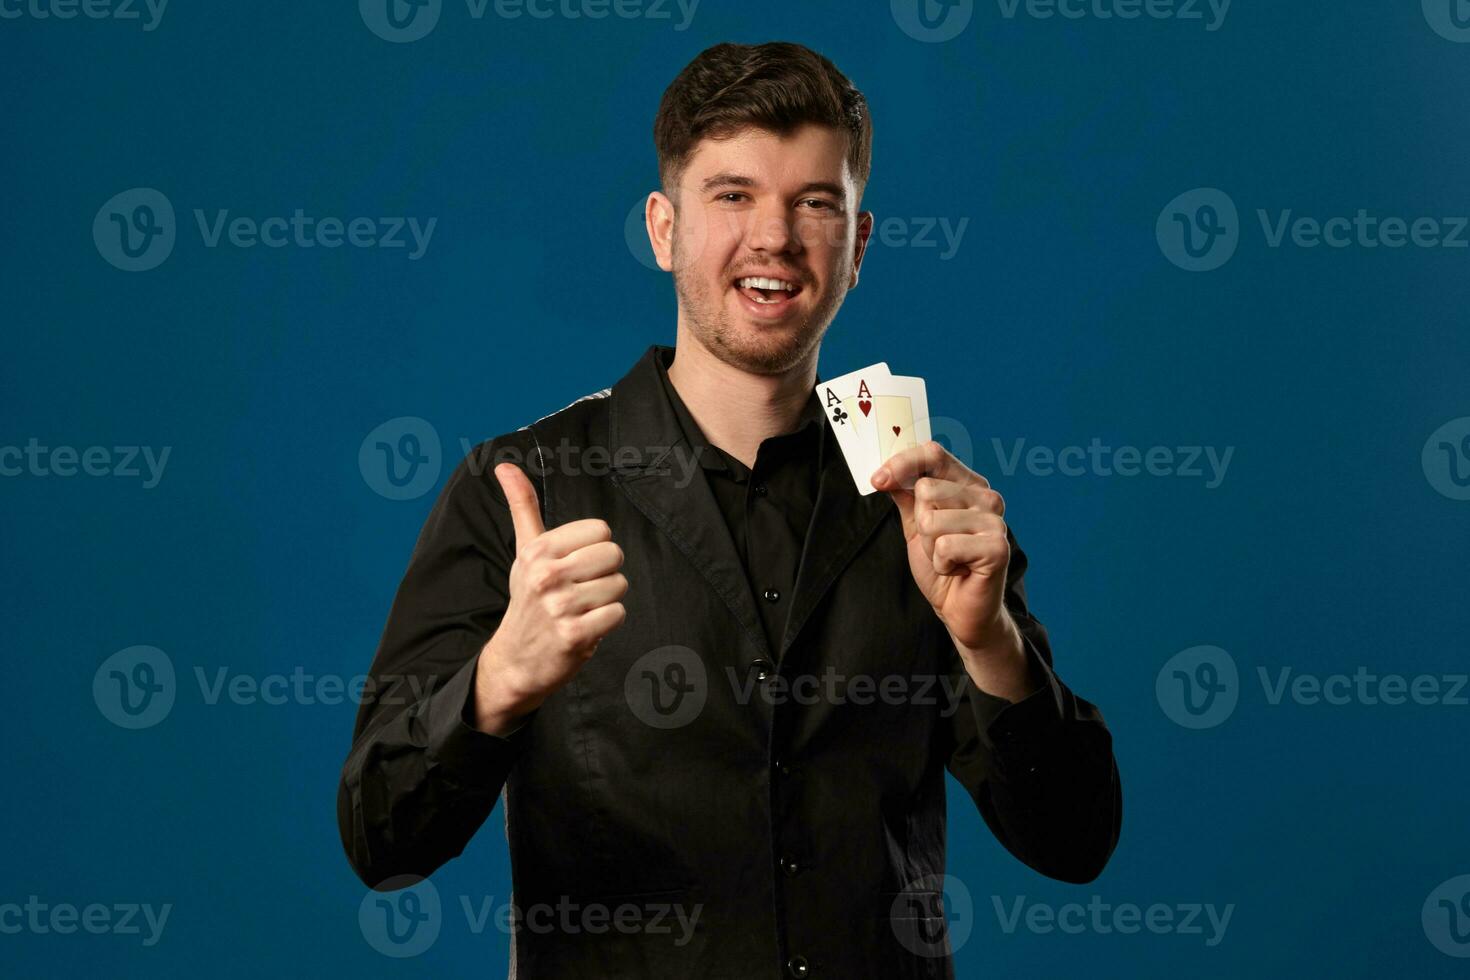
x: 624, y: 609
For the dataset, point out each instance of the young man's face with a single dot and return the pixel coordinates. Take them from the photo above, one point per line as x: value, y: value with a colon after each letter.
x: 759, y: 205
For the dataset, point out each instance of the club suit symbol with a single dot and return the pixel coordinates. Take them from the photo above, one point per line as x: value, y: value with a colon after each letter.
x: 135, y: 688
x: 1446, y: 917
x: 933, y: 916
x: 839, y: 416
x: 1199, y: 230
x: 1198, y: 687
x: 135, y: 230
x: 400, y: 21
x: 1450, y: 19
x: 932, y: 21
x: 402, y: 918
x: 1446, y: 459
x: 667, y: 687
x: 400, y: 459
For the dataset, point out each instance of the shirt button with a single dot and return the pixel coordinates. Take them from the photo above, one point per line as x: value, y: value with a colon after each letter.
x: 796, y: 966
x: 772, y: 595
x: 783, y: 767
x: 762, y: 668
x: 760, y: 490
x: 789, y: 865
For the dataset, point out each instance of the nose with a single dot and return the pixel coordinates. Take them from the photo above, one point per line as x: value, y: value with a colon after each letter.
x: 772, y: 229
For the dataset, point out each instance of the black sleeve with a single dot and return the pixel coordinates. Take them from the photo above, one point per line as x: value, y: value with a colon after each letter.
x: 419, y: 779
x: 1040, y: 770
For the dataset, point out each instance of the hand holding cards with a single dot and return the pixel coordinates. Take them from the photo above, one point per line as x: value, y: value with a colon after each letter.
x: 874, y: 415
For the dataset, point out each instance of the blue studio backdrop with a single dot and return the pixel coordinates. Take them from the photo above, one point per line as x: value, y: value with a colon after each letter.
x: 1188, y: 282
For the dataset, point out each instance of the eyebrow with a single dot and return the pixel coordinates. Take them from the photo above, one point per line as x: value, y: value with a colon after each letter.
x: 739, y: 180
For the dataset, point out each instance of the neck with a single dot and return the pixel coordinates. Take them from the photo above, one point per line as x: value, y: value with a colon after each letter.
x: 769, y: 404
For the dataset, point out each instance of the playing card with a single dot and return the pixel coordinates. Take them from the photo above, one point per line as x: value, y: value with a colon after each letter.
x: 848, y: 404
x: 901, y: 407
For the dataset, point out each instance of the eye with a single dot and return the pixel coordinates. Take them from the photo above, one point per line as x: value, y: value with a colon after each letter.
x: 732, y: 197
x: 819, y: 204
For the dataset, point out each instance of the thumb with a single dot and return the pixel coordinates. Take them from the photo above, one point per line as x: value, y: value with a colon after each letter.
x: 883, y: 480
x: 525, y: 509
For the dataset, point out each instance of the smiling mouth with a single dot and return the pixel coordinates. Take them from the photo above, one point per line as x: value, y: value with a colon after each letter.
x: 766, y: 291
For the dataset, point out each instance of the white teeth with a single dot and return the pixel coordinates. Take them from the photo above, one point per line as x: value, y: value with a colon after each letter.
x: 760, y: 282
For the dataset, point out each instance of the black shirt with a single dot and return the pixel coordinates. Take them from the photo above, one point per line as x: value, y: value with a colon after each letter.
x: 768, y: 507
x: 804, y: 823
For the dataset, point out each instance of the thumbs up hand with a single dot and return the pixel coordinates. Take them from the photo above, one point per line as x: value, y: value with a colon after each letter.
x: 565, y: 596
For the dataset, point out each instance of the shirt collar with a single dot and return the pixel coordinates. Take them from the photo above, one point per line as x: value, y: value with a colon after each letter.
x: 810, y: 424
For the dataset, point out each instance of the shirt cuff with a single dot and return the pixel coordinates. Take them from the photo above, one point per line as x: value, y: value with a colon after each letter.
x: 1005, y: 726
x: 457, y: 745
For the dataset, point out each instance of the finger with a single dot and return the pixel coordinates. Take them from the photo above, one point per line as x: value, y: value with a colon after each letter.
x: 586, y: 596
x: 929, y: 459
x: 597, y: 623
x: 592, y: 562
x: 905, y: 501
x: 525, y: 509
x: 569, y: 538
x: 932, y: 493
x: 976, y: 551
x: 935, y: 523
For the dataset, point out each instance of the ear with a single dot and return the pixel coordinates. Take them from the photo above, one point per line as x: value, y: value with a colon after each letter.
x: 658, y: 218
x: 864, y: 231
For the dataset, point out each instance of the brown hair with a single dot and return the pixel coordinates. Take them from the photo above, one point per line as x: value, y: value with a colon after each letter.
x: 775, y: 86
